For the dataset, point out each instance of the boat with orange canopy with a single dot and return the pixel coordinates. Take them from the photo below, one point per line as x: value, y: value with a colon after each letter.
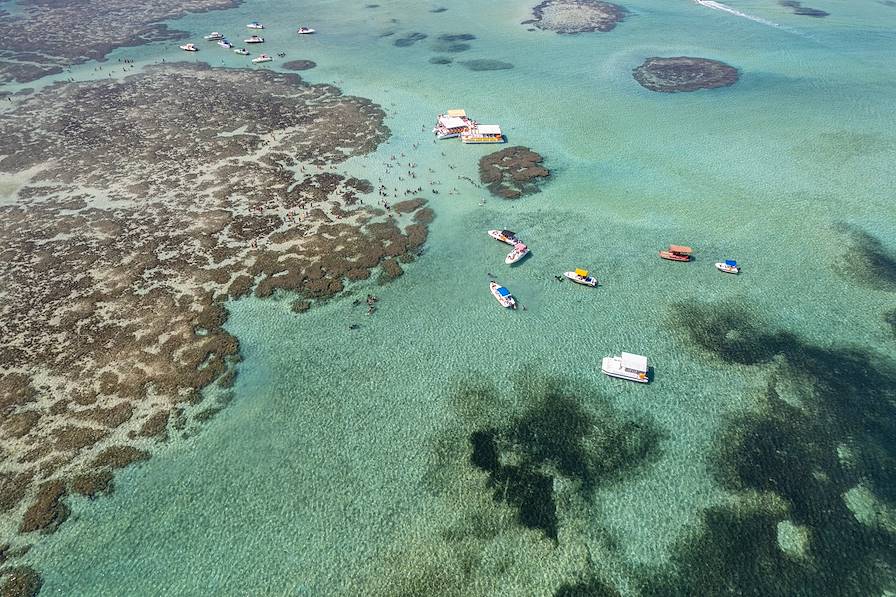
x: 677, y: 253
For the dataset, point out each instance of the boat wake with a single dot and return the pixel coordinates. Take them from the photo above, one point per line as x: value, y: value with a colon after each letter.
x: 725, y: 8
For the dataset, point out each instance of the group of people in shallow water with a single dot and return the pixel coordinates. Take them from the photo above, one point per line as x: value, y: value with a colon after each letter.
x: 371, y: 307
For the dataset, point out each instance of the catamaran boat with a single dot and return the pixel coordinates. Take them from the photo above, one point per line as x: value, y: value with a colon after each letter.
x: 255, y: 25
x: 254, y: 40
x: 505, y: 236
x: 502, y: 295
x: 304, y: 30
x: 262, y: 58
x: 214, y: 36
x: 189, y: 48
x: 632, y: 367
x: 580, y: 276
x: 519, y: 251
x: 729, y: 266
x: 225, y: 44
x: 483, y: 133
x: 241, y: 51
x: 452, y: 124
x: 677, y: 253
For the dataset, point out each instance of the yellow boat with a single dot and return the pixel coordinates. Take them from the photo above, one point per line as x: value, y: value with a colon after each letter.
x: 580, y: 276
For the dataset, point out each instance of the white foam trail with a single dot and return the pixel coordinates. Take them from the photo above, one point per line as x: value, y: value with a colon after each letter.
x: 725, y: 8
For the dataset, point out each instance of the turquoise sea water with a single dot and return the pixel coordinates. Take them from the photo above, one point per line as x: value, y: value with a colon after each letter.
x: 314, y: 477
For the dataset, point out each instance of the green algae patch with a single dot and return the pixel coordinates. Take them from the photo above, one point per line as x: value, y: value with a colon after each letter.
x: 866, y: 260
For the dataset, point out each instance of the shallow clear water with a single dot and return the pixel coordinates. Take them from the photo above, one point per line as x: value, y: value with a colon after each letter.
x: 316, y: 469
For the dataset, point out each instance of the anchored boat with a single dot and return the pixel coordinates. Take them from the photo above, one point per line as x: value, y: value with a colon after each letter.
x: 505, y: 236
x: 452, y: 124
x: 677, y: 253
x: 519, y: 251
x: 580, y: 276
x: 189, y: 48
x: 483, y: 133
x: 632, y: 367
x: 305, y: 31
x: 225, y: 44
x: 242, y: 51
x: 502, y: 295
x: 262, y: 58
x: 214, y: 35
x: 729, y: 266
x: 254, y: 25
x: 254, y: 40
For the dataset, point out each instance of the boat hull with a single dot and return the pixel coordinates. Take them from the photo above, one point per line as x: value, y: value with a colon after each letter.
x: 480, y: 140
x: 612, y: 367
x: 674, y: 257
x: 727, y: 268
x: 515, y: 256
x: 505, y: 301
x: 590, y: 281
x: 496, y: 234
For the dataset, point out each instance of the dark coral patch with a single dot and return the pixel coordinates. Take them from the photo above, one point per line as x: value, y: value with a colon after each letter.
x: 486, y: 65
x: 799, y: 9
x: 576, y: 16
x: 299, y: 64
x: 684, y: 73
x: 867, y: 261
x: 512, y: 172
x: 441, y: 60
x: 409, y: 40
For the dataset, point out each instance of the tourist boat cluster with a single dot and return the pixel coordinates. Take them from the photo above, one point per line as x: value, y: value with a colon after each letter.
x: 221, y: 40
x: 456, y: 123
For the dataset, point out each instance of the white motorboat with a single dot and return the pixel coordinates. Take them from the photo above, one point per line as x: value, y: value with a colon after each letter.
x: 189, y: 48
x: 502, y: 295
x: 225, y: 44
x: 254, y: 40
x: 632, y: 367
x: 505, y: 236
x: 241, y: 51
x: 254, y: 25
x: 519, y: 251
x: 729, y: 266
x: 580, y: 276
x: 304, y: 30
x: 214, y: 36
x: 262, y: 58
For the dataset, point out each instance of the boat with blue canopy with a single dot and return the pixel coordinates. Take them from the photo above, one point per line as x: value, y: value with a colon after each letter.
x: 729, y: 266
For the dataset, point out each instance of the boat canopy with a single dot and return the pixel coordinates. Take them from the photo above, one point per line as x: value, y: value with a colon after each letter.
x: 520, y: 246
x: 508, y: 233
x: 634, y: 362
x: 452, y: 122
x: 489, y: 129
x: 504, y: 292
x: 731, y: 262
x: 582, y: 272
x: 680, y: 249
x: 457, y: 113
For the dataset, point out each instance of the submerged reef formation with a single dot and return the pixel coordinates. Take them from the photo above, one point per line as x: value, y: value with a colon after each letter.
x: 483, y: 64
x: 41, y: 37
x: 409, y: 40
x: 684, y: 73
x: 799, y: 9
x: 299, y: 64
x: 512, y: 172
x: 576, y: 16
x: 452, y: 43
x: 811, y: 468
x: 866, y: 261
x: 515, y: 476
x: 141, y: 206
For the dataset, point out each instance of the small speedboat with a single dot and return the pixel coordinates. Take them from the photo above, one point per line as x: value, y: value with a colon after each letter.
x: 254, y: 25
x: 502, y: 295
x: 262, y: 58
x: 241, y: 51
x: 580, y: 276
x: 189, y: 48
x: 505, y: 236
x: 729, y: 266
x: 304, y: 30
x: 254, y: 40
x: 677, y: 253
x: 519, y: 251
x: 214, y: 35
x: 632, y: 367
x: 225, y: 44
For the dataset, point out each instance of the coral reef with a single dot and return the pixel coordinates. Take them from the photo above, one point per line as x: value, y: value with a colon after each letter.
x: 799, y: 9
x: 512, y: 172
x: 144, y: 205
x: 486, y: 65
x: 299, y: 64
x: 576, y: 16
x: 42, y: 37
x: 684, y: 73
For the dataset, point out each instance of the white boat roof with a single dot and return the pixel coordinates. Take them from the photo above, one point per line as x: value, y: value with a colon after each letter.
x: 452, y: 122
x: 634, y: 361
x: 489, y: 129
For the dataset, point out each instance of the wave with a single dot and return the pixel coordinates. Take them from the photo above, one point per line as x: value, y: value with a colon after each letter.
x: 725, y: 8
